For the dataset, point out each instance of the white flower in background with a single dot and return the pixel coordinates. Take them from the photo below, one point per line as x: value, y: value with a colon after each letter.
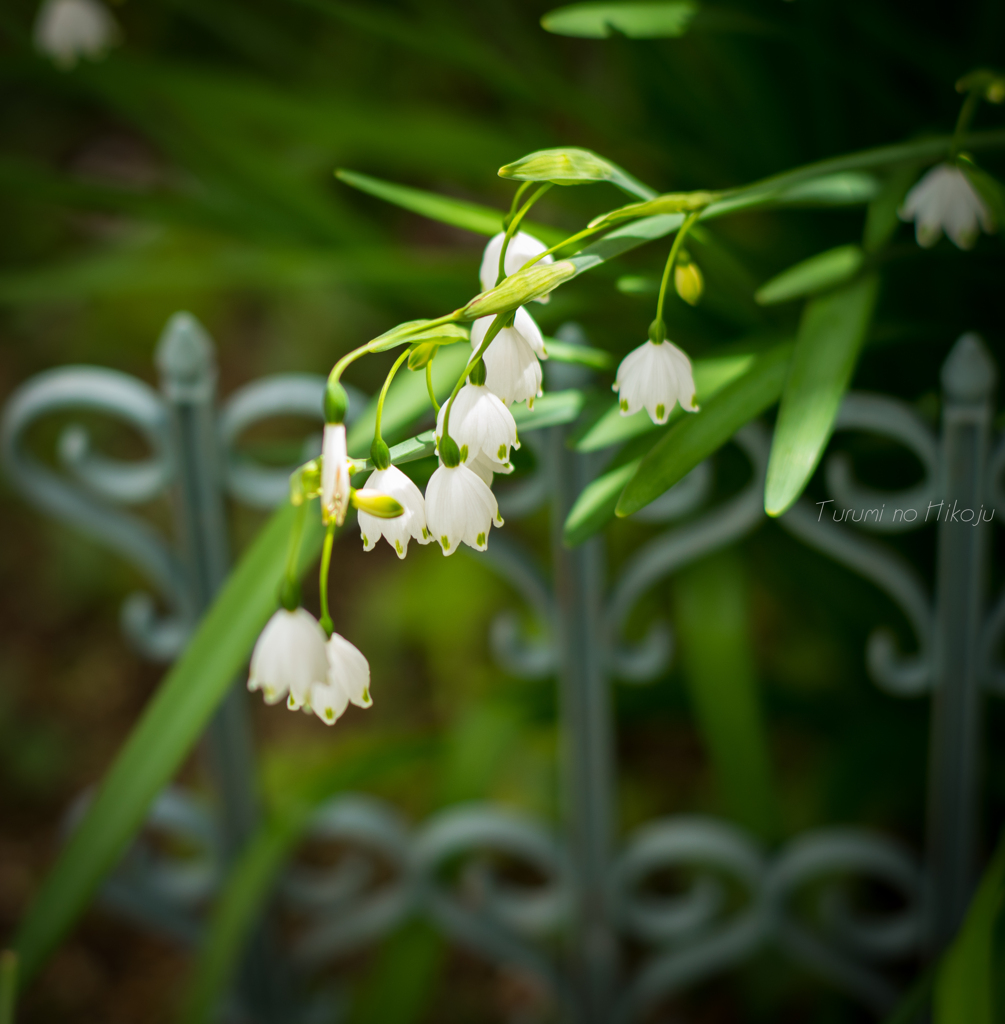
x: 335, y: 487
x: 289, y: 657
x: 348, y: 680
x: 460, y: 508
x: 400, y: 530
x: 67, y: 30
x: 655, y: 377
x: 944, y: 200
x: 512, y: 370
x: 522, y: 247
x: 485, y: 468
x: 481, y: 422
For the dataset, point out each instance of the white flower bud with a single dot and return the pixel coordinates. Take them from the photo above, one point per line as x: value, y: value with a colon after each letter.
x: 335, y: 474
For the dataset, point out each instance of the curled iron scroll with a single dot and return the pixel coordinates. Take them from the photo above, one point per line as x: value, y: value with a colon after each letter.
x: 84, y: 501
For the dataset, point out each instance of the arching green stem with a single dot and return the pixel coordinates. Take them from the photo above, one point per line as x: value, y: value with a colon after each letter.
x: 672, y: 258
x: 429, y: 385
x: 514, y: 206
x: 514, y: 226
x: 326, y: 559
x: 585, y: 233
x: 289, y: 589
x: 494, y: 328
x: 383, y: 393
x: 967, y: 111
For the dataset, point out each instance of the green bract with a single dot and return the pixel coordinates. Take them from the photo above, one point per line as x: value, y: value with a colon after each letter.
x: 672, y: 202
x: 560, y: 167
x: 519, y: 288
x: 414, y: 331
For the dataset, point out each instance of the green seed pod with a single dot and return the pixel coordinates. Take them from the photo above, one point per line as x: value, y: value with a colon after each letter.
x: 421, y: 354
x: 449, y: 452
x: 289, y: 594
x: 519, y: 288
x: 380, y: 454
x: 383, y: 506
x: 336, y: 402
x: 657, y: 332
x: 477, y: 374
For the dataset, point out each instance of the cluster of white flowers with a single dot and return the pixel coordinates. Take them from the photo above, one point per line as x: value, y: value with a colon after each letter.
x: 67, y: 30
x: 293, y: 658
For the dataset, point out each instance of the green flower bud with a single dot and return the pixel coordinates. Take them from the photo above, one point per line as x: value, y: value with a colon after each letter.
x: 336, y: 402
x: 305, y: 482
x: 449, y: 452
x: 567, y: 166
x: 383, y: 506
x: 519, y: 288
x: 477, y: 374
x: 688, y: 280
x: 380, y: 454
x: 421, y: 354
x: 672, y: 202
x: 990, y: 84
x: 657, y: 332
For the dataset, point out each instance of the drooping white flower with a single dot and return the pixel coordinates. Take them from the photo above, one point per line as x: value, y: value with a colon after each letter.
x: 655, y: 377
x: 485, y: 468
x: 335, y: 475
x: 522, y: 247
x: 289, y: 657
x: 400, y: 530
x: 348, y: 680
x: 944, y: 200
x: 67, y: 30
x: 480, y: 422
x: 512, y: 370
x: 460, y: 508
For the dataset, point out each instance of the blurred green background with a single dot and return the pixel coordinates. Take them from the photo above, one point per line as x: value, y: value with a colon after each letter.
x: 192, y: 169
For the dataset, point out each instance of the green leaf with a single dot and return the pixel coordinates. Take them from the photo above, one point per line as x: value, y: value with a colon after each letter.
x: 459, y: 213
x: 581, y: 355
x: 251, y: 880
x: 169, y: 727
x: 881, y: 220
x: 695, y: 437
x: 550, y: 410
x: 831, y: 333
x: 965, y: 984
x: 710, y: 376
x: 594, y: 508
x: 711, y: 617
x: 987, y: 187
x: 818, y: 273
x: 651, y: 20
x: 8, y: 985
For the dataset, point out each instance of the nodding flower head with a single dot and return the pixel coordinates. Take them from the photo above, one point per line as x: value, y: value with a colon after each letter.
x: 460, y: 508
x: 289, y: 657
x: 480, y: 422
x: 512, y: 369
x: 401, y: 529
x: 655, y: 377
x: 67, y: 30
x: 522, y: 247
x: 945, y: 200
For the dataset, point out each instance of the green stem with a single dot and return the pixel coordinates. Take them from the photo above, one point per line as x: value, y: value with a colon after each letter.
x: 429, y: 386
x: 289, y: 591
x: 967, y: 111
x: 8, y: 985
x: 383, y: 393
x: 514, y: 226
x: 517, y: 196
x: 565, y: 242
x: 494, y: 328
x: 672, y: 258
x: 326, y: 559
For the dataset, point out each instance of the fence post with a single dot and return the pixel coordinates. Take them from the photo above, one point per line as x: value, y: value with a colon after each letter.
x: 968, y: 380
x: 187, y: 365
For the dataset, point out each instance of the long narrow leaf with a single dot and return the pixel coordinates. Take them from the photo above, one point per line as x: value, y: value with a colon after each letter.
x: 170, y: 725
x: 697, y: 436
x: 831, y: 333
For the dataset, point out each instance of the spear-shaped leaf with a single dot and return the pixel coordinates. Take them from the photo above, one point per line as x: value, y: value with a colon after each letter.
x: 831, y: 333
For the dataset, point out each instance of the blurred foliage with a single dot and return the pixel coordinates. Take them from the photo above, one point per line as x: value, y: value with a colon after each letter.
x: 193, y: 169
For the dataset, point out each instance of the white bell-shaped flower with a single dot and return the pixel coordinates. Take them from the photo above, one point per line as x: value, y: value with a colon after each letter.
x: 348, y: 681
x: 289, y: 657
x: 460, y: 508
x: 512, y: 370
x: 522, y: 247
x: 67, y: 30
x: 480, y: 422
x: 485, y: 468
x: 400, y: 530
x: 654, y: 378
x: 944, y: 200
x: 335, y: 474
